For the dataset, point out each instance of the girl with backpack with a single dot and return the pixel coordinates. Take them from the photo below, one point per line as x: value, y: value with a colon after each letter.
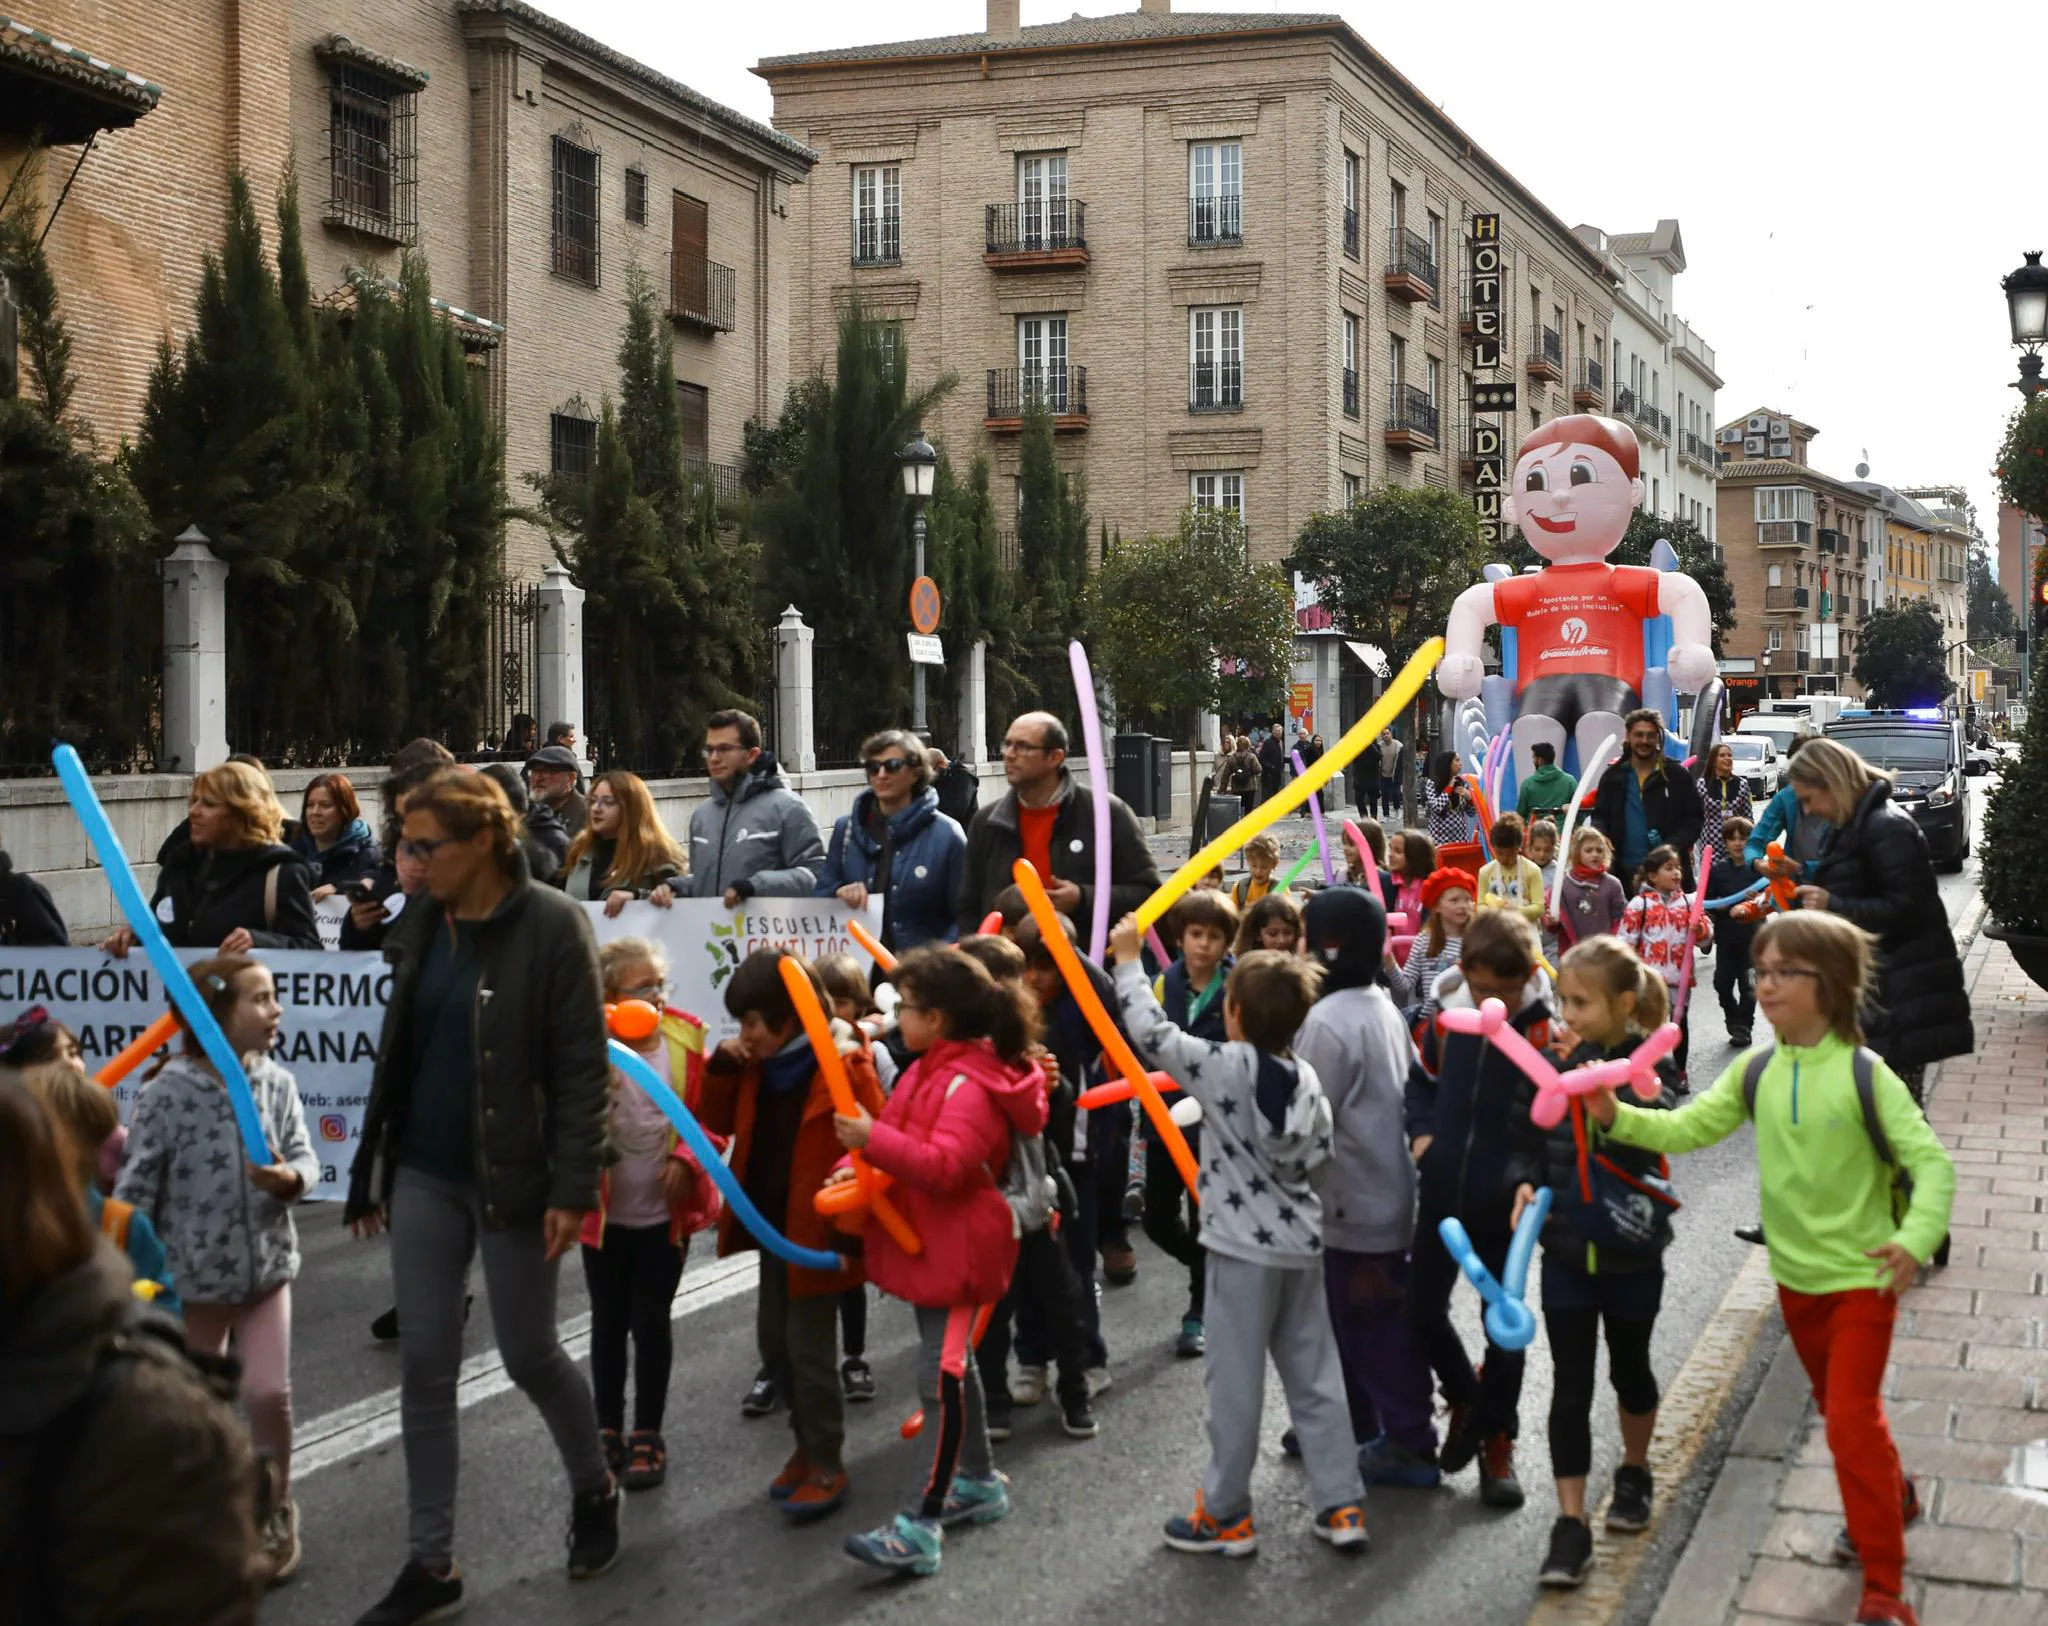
x: 1856, y: 1191
x: 946, y: 1138
x: 226, y: 1223
x: 1603, y: 1250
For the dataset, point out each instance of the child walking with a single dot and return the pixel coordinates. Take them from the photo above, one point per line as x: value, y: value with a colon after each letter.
x: 946, y: 1137
x: 1603, y: 1252
x: 650, y: 1202
x: 1730, y: 874
x: 1447, y: 895
x: 226, y: 1223
x: 1590, y: 901
x: 1268, y: 1131
x: 1835, y: 1130
x: 1658, y: 925
x: 1543, y: 854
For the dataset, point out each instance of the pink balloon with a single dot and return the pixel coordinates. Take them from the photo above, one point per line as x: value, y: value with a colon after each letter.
x: 1692, y: 925
x: 1554, y: 1089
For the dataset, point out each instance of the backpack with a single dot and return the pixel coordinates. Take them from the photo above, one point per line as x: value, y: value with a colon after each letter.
x: 1624, y: 1211
x: 1026, y: 1185
x: 1863, y: 1064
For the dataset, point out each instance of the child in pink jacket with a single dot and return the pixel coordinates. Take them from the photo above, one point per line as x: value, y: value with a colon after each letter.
x: 944, y: 1140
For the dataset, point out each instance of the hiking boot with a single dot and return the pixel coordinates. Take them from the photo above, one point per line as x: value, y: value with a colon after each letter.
x: 1120, y: 1265
x: 646, y: 1460
x: 1461, y: 1439
x: 1570, y: 1556
x: 613, y: 1444
x: 1191, y: 1343
x: 417, y: 1597
x: 594, y: 1531
x: 817, y: 1496
x: 1030, y: 1387
x: 281, y: 1542
x: 794, y: 1473
x: 1844, y: 1551
x: 999, y: 1418
x: 760, y: 1396
x: 975, y: 1501
x: 1077, y: 1417
x: 856, y: 1380
x: 905, y: 1546
x: 1197, y: 1532
x: 1498, y: 1486
x: 1389, y: 1463
x: 1628, y: 1510
x: 1342, y: 1527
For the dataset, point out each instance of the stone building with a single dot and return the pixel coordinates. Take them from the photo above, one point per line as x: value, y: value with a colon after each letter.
x: 529, y: 163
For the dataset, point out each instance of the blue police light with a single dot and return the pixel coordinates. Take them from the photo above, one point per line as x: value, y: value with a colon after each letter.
x: 1932, y: 714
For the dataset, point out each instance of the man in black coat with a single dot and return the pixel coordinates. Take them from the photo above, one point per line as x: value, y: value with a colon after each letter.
x: 1646, y: 800
x: 28, y: 914
x: 1272, y: 763
x: 958, y: 787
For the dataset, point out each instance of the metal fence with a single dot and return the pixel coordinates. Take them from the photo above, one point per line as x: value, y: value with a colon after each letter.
x: 511, y: 658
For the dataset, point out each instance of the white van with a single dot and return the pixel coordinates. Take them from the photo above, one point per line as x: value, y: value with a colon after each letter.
x: 1782, y: 729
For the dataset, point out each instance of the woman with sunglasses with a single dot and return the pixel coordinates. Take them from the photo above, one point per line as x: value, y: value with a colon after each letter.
x: 897, y: 846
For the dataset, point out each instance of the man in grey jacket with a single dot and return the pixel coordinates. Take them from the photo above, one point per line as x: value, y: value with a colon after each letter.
x: 754, y: 837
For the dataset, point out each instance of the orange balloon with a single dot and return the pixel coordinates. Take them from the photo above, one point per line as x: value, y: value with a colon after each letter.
x: 867, y: 940
x: 147, y: 1043
x: 911, y: 1426
x: 632, y: 1020
x: 991, y: 924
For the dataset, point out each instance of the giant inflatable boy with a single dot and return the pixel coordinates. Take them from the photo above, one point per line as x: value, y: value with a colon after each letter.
x: 1572, y: 634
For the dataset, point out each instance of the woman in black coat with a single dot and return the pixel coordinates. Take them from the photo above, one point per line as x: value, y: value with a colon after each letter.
x: 1874, y: 870
x: 333, y: 837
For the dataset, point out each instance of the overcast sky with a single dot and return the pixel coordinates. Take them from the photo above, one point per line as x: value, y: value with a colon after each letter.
x: 1851, y: 181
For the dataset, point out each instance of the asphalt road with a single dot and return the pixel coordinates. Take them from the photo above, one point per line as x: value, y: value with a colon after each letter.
x: 1082, y: 1544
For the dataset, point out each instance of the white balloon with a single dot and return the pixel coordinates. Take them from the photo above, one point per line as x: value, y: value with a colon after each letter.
x: 1187, y: 1112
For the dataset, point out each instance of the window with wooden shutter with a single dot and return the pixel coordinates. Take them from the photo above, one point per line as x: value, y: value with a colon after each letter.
x: 694, y: 405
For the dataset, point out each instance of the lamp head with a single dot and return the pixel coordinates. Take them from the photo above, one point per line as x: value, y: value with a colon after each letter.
x: 920, y: 464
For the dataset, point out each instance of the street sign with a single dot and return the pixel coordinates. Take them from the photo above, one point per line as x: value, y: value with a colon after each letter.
x: 926, y: 651
x: 924, y: 606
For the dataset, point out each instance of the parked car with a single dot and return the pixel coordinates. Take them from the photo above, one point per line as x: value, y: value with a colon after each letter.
x: 1759, y: 763
x: 1982, y: 759
x: 1926, y: 757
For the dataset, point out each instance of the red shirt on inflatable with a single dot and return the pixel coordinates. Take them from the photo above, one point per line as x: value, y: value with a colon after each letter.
x: 1574, y: 619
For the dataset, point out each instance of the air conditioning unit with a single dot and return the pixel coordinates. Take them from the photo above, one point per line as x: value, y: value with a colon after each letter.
x: 1753, y: 446
x: 1780, y: 428
x: 1731, y: 436
x: 1759, y: 426
x: 1781, y: 448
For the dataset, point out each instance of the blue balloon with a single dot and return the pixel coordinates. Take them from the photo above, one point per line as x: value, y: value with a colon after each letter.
x: 1749, y: 891
x: 176, y: 980
x: 634, y: 1065
x: 1510, y: 1323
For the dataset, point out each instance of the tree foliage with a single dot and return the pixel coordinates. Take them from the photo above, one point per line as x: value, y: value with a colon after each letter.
x: 2015, y: 881
x: 1052, y: 563
x: 1695, y: 559
x: 1390, y: 566
x: 1991, y: 613
x: 1899, y: 658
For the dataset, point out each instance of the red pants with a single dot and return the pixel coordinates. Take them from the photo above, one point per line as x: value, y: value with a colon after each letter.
x: 1844, y: 1341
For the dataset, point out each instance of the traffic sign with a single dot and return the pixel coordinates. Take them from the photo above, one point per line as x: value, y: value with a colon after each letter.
x: 924, y: 606
x: 926, y: 651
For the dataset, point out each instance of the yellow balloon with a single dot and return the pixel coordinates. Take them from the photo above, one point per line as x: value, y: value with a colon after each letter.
x: 1297, y: 791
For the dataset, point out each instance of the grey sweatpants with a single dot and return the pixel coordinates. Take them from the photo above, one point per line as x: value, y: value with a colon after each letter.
x: 435, y: 1229
x: 955, y: 1419
x: 1254, y: 1311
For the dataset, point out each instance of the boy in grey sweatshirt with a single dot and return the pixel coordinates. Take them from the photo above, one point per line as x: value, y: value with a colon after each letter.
x: 1267, y: 1130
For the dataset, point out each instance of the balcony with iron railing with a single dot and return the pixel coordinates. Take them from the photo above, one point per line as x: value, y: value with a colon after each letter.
x: 1468, y: 317
x: 1699, y: 451
x: 1783, y: 533
x: 1546, y: 362
x: 1785, y: 660
x: 1008, y: 555
x: 1215, y: 386
x: 1350, y: 392
x: 722, y: 478
x: 1590, y: 392
x: 1061, y: 391
x: 1829, y: 540
x: 1654, y: 419
x: 1412, y: 420
x: 1351, y: 231
x: 1786, y: 598
x: 1047, y: 234
x: 700, y: 293
x: 1411, y: 273
x: 1624, y: 402
x: 1216, y: 221
x: 877, y: 239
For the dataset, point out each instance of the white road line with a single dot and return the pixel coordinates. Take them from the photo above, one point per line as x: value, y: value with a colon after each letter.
x: 349, y: 1431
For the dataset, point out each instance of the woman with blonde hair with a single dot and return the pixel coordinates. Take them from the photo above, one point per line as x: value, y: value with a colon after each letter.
x: 225, y: 880
x: 624, y: 852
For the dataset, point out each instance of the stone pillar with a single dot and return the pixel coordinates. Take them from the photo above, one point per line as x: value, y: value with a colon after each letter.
x: 195, y: 733
x: 558, y: 683
x: 972, y: 746
x: 1212, y: 732
x: 794, y: 693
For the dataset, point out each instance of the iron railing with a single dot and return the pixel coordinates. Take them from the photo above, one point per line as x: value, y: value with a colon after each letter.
x: 1411, y: 409
x: 1624, y: 402
x: 722, y: 478
x: 1062, y: 391
x: 372, y: 154
x: 878, y: 238
x: 1700, y: 450
x: 1655, y: 420
x: 1216, y: 220
x: 1350, y: 392
x: 1215, y: 386
x: 1409, y: 255
x: 1786, y: 598
x: 700, y: 292
x: 1592, y: 377
x: 1552, y: 349
x: 1035, y: 228
x: 511, y: 656
x: 573, y: 221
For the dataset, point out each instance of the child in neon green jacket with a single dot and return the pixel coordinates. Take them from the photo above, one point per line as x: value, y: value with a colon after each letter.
x: 1841, y: 1249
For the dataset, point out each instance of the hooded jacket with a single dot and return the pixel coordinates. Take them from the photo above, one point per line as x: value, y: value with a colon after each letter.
x: 184, y: 1167
x: 1473, y: 1103
x: 1544, y: 791
x: 759, y: 836
x: 945, y: 1137
x: 354, y: 854
x: 152, y: 1521
x: 994, y: 844
x: 921, y: 851
x: 1877, y: 875
x: 1357, y: 1043
x: 203, y: 894
x: 28, y: 914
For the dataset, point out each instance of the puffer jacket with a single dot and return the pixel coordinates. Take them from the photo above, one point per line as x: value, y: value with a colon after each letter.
x: 1877, y: 874
x: 945, y: 1136
x: 541, y: 1063
x: 1474, y: 1104
x: 203, y: 894
x: 760, y: 837
x: 184, y: 1167
x: 152, y: 1520
x: 354, y: 854
x: 924, y: 851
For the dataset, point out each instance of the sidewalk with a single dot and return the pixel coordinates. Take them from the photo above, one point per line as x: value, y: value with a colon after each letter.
x: 1967, y: 1391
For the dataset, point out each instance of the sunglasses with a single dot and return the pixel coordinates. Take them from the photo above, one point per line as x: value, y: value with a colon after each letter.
x: 882, y: 765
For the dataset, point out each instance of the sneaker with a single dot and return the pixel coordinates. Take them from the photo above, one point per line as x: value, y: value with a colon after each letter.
x: 613, y: 1444
x: 594, y: 1531
x: 1030, y: 1387
x: 794, y: 1473
x: 976, y: 1501
x: 646, y: 1460
x: 905, y: 1546
x: 281, y: 1542
x: 1741, y: 1038
x: 1498, y: 1486
x: 1570, y: 1556
x: 1196, y: 1532
x: 817, y: 1496
x: 1191, y: 1343
x: 1120, y: 1265
x: 1077, y: 1417
x: 1134, y: 1202
x: 1628, y: 1510
x: 856, y: 1380
x: 1844, y: 1551
x: 417, y: 1597
x: 760, y: 1398
x: 1098, y: 1380
x: 1389, y: 1463
x: 998, y: 1422
x: 1342, y: 1527
x: 1461, y: 1439
x: 1880, y: 1609
x: 384, y: 1329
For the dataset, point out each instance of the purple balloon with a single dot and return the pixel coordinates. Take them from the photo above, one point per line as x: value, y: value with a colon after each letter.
x: 1315, y: 812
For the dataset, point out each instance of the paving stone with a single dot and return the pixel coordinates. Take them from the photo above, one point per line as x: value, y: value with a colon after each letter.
x: 2002, y: 1358
x: 2001, y: 1425
x: 1992, y: 1507
x: 1971, y: 1388
x: 1953, y: 1553
x: 1927, y: 1351
x: 2021, y: 1334
x: 1812, y: 1490
x: 1944, y: 1604
x: 1791, y: 1590
x: 1808, y: 1536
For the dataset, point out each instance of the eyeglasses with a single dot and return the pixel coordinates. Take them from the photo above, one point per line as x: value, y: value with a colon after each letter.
x: 724, y: 750
x: 421, y: 851
x: 652, y: 992
x: 1019, y: 747
x: 912, y: 1006
x: 882, y: 765
x: 1780, y: 973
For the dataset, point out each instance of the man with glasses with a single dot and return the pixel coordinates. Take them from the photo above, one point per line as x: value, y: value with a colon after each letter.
x: 754, y: 837
x: 553, y: 778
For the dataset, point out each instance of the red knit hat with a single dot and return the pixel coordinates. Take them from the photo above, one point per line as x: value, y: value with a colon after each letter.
x: 1440, y: 881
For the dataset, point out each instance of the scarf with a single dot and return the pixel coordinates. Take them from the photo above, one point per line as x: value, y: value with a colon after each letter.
x: 1585, y: 876
x: 790, y: 1066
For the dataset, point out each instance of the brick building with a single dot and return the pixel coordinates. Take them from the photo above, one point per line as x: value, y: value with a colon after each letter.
x: 529, y: 163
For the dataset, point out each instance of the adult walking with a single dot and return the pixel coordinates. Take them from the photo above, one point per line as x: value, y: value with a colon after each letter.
x: 224, y: 879
x: 554, y: 779
x: 1874, y: 871
x: 898, y: 846
x: 1647, y: 800
x: 1048, y: 819
x: 1272, y: 765
x: 333, y: 837
x: 1244, y: 772
x: 754, y: 837
x: 484, y: 1133
x: 625, y: 852
x: 1387, y: 755
x: 1724, y: 794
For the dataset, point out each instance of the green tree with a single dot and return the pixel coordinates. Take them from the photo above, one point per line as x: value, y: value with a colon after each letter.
x: 1695, y: 559
x: 1899, y: 659
x: 1052, y: 562
x: 44, y: 337
x: 1991, y: 613
x: 979, y: 598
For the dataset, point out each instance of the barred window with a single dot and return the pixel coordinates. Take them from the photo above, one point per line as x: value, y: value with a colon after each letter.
x: 574, y: 234
x: 636, y: 196
x: 572, y: 445
x: 372, y: 153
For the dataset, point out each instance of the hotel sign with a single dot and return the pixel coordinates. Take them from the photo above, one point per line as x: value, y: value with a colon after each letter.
x: 1488, y: 449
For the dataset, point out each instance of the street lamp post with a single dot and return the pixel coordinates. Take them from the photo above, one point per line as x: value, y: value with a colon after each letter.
x: 920, y: 465
x: 2026, y: 301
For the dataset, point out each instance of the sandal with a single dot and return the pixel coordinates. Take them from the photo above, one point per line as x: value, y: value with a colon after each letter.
x: 646, y: 1460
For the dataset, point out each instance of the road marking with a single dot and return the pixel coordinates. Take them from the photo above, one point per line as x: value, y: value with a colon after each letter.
x: 349, y: 1431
